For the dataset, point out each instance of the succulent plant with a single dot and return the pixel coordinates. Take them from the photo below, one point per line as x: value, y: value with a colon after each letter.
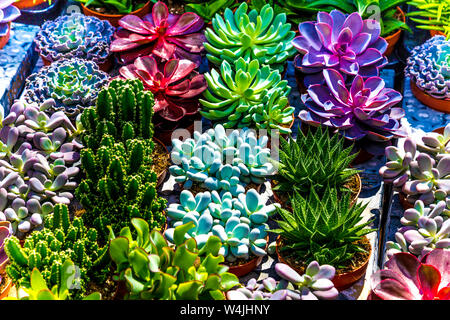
x: 47, y: 250
x: 425, y: 229
x: 313, y: 159
x: 73, y: 83
x: 315, y: 284
x: 119, y: 185
x: 406, y: 278
x: 39, y: 290
x: 254, y: 35
x: 176, y: 85
x: 362, y: 109
x: 119, y: 6
x: 123, y: 110
x: 161, y: 34
x: 210, y: 157
x: 419, y: 175
x: 324, y: 229
x: 154, y: 270
x: 431, y: 15
x: 240, y: 223
x: 8, y: 14
x: 247, y: 96
x: 38, y: 164
x: 428, y: 66
x: 75, y: 35
x: 5, y: 232
x: 346, y: 43
x: 207, y: 9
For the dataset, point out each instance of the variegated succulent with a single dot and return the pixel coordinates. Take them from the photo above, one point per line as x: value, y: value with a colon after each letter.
x: 72, y: 83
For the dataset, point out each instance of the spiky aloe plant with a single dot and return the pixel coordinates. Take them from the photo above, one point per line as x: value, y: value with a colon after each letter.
x: 253, y: 35
x: 313, y: 160
x: 324, y: 229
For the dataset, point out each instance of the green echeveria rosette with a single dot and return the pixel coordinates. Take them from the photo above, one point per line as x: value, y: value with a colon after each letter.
x: 73, y: 84
x: 428, y: 66
x: 76, y: 36
x: 254, y: 35
x: 252, y: 96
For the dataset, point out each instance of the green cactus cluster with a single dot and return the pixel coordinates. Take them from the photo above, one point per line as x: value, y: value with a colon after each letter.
x: 48, y: 250
x: 120, y: 185
x: 124, y: 110
x: 154, y: 270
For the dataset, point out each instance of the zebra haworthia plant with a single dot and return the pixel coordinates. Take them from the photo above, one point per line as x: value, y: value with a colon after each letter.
x: 219, y: 161
x: 262, y: 35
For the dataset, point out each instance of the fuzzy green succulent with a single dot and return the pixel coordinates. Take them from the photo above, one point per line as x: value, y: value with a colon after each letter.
x: 314, y: 160
x: 124, y: 110
x: 154, y: 270
x: 324, y: 228
x: 47, y: 250
x: 254, y: 35
x: 120, y: 184
x: 246, y: 96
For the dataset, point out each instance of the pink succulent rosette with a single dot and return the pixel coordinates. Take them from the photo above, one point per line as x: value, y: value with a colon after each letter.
x: 362, y: 109
x: 407, y: 278
x: 343, y: 42
x: 160, y: 33
x: 176, y: 85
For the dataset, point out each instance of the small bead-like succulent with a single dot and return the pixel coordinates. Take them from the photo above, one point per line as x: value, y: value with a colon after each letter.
x: 315, y: 284
x: 47, y: 250
x: 407, y: 278
x: 38, y: 158
x: 346, y: 43
x: 8, y: 13
x: 123, y: 110
x: 363, y: 109
x: 161, y: 34
x: 217, y: 160
x: 240, y: 223
x: 75, y: 35
x: 425, y: 229
x: 247, y: 96
x: 262, y: 35
x: 73, y: 83
x: 153, y: 269
x: 429, y: 67
x: 421, y: 170
x: 176, y: 85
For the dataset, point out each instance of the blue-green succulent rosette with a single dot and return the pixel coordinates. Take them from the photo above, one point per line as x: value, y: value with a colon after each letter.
x: 429, y: 67
x: 73, y: 84
x: 77, y: 36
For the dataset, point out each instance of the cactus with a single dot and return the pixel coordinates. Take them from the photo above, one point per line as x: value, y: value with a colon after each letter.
x: 154, y: 270
x: 47, y: 250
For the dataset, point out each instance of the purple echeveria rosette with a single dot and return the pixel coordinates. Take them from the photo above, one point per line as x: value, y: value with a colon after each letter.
x: 429, y: 67
x: 76, y: 36
x: 8, y: 13
x: 360, y: 110
x: 343, y: 42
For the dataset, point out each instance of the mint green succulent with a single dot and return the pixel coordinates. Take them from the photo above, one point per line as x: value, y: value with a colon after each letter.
x: 247, y: 95
x: 254, y: 35
x: 154, y: 270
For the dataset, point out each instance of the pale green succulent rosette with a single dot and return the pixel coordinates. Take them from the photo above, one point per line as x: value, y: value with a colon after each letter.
x: 249, y: 97
x: 262, y: 35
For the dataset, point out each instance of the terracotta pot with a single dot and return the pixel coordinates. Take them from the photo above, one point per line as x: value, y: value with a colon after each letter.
x: 341, y: 281
x: 4, y: 40
x: 439, y: 130
x: 114, y: 18
x: 436, y: 33
x: 22, y: 4
x: 442, y: 105
x: 244, y: 269
x: 105, y: 66
x: 7, y: 289
x: 393, y: 39
x: 162, y: 175
x: 280, y: 201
